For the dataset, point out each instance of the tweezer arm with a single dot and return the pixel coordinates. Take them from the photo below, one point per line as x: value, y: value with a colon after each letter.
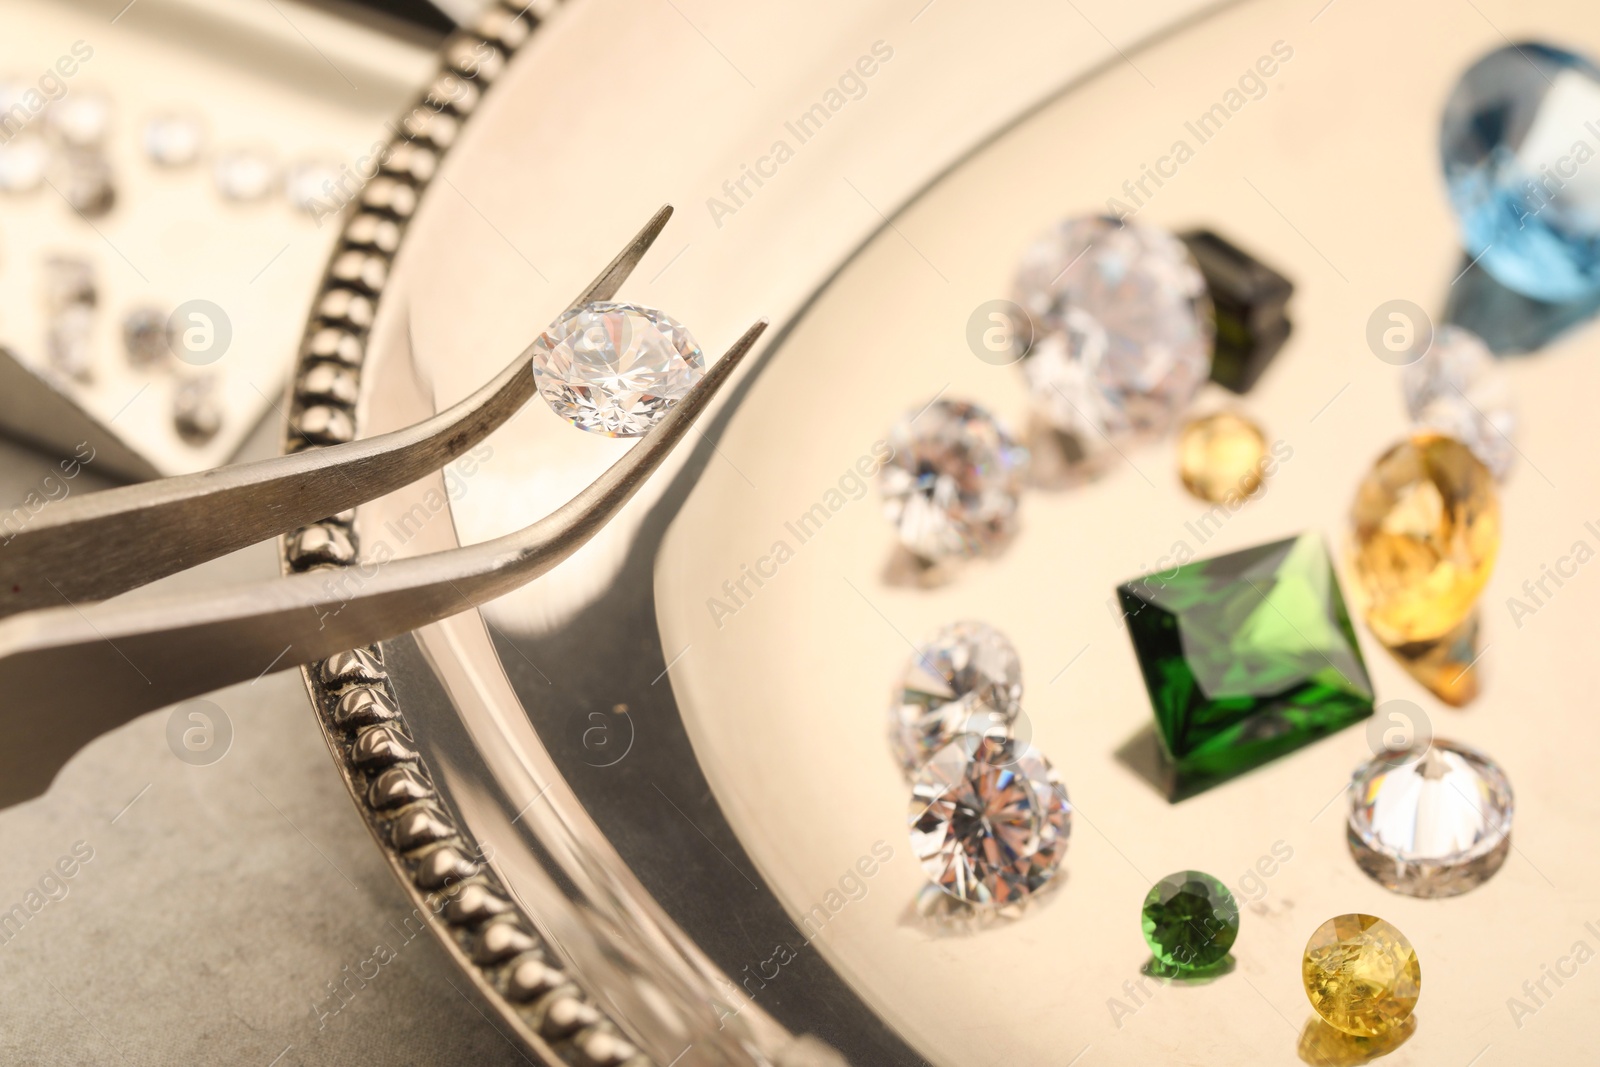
x: 70, y: 674
x: 94, y: 546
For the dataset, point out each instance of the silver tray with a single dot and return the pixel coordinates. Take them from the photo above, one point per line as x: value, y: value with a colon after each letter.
x: 616, y: 811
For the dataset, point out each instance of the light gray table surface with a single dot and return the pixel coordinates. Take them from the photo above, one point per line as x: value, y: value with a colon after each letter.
x: 221, y: 902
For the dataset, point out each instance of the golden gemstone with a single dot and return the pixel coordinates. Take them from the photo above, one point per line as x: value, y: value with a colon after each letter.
x: 1362, y: 975
x: 1427, y: 528
x: 1221, y: 454
x: 1448, y: 665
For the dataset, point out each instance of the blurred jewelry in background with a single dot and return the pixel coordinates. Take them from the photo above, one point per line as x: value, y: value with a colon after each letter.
x: 1425, y: 533
x: 165, y: 182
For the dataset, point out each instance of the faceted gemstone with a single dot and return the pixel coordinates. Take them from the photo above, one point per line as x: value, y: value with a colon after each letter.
x: 1190, y: 920
x: 1430, y: 820
x: 174, y: 139
x: 952, y: 485
x: 1220, y: 456
x: 1448, y: 665
x: 1123, y: 328
x: 144, y: 336
x: 87, y: 182
x: 197, y: 410
x: 615, y: 369
x: 967, y: 679
x: 1458, y: 390
x: 1427, y: 529
x: 245, y: 173
x: 1246, y: 657
x: 69, y: 341
x: 989, y: 820
x: 1251, y: 301
x: 1517, y: 154
x: 1362, y: 975
x: 23, y: 162
x: 305, y: 183
x: 81, y: 119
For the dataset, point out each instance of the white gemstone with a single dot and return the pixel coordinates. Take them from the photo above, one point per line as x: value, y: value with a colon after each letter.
x: 1458, y: 389
x: 174, y: 139
x: 197, y: 410
x: 1123, y: 328
x: 245, y: 174
x: 952, y: 485
x: 144, y: 336
x: 967, y: 679
x: 989, y: 820
x: 70, y: 341
x: 305, y: 185
x: 23, y: 161
x: 87, y: 182
x: 615, y: 369
x: 1432, y: 820
x: 81, y: 119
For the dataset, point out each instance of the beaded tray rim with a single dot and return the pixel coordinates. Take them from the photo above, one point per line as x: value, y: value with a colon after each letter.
x: 436, y: 860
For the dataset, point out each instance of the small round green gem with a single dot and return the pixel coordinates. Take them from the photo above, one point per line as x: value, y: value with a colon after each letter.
x: 1190, y: 920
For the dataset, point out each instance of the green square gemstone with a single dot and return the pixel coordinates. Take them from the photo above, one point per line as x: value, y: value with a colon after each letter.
x: 1246, y: 656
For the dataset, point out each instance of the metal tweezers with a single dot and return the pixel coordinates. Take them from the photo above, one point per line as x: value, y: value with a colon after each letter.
x: 74, y: 664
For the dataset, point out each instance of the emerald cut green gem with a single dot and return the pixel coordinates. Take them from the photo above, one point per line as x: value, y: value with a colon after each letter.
x: 1190, y: 920
x: 1246, y: 657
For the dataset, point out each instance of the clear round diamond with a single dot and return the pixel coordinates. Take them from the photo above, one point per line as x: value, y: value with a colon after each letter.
x: 174, y: 139
x: 615, y: 369
x: 1430, y: 821
x: 306, y: 182
x: 144, y: 336
x: 81, y: 119
x: 245, y: 174
x: 1459, y: 390
x: 1516, y: 149
x: 23, y: 161
x: 951, y: 487
x: 1124, y: 328
x: 989, y: 820
x: 967, y: 679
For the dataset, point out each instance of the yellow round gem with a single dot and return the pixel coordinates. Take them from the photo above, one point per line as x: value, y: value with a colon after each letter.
x: 1362, y: 975
x: 1427, y: 528
x: 1221, y: 454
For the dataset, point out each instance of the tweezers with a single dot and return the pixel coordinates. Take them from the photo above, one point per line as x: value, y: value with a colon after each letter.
x: 75, y: 664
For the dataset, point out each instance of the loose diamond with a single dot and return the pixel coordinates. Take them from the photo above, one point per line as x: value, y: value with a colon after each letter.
x: 81, y: 119
x: 144, y: 336
x: 1124, y: 328
x: 1246, y: 657
x: 23, y: 162
x: 1431, y: 820
x: 989, y: 820
x: 1221, y: 457
x: 1427, y: 529
x: 1361, y: 975
x: 1190, y: 920
x: 615, y: 369
x: 197, y: 410
x: 306, y: 182
x: 174, y: 139
x: 952, y: 485
x: 1517, y: 159
x: 69, y: 341
x: 87, y: 181
x: 968, y: 679
x: 245, y: 174
x: 1459, y: 390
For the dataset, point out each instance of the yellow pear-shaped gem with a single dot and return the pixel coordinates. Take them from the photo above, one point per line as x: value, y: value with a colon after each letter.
x: 1427, y: 529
